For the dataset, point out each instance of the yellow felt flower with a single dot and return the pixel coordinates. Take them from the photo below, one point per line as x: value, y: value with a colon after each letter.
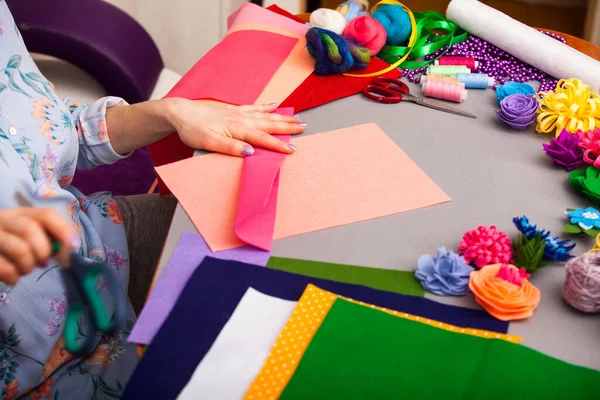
x: 572, y: 106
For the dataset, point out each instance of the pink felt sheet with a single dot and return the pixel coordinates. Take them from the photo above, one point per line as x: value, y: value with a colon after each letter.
x: 334, y: 178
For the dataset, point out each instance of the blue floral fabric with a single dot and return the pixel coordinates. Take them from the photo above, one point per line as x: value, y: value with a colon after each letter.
x: 42, y: 141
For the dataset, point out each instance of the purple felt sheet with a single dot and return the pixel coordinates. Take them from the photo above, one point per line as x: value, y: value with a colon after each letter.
x: 189, y: 253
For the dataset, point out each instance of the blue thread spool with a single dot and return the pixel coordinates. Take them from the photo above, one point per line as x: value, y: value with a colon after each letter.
x: 476, y: 81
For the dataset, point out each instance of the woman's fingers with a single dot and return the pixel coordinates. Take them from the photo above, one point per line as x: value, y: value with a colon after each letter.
x: 31, y: 232
x: 227, y: 145
x: 275, y: 127
x: 8, y: 273
x: 273, y: 117
x: 260, y: 138
x: 17, y: 252
x: 56, y: 225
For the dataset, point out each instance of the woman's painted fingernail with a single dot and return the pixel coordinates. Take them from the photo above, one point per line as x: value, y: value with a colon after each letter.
x: 273, y: 105
x: 292, y: 147
x: 247, y: 151
x: 75, y: 242
x: 296, y: 116
x: 302, y: 124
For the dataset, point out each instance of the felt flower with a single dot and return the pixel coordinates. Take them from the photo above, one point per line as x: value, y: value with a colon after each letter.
x: 504, y: 292
x: 529, y: 252
x: 555, y: 249
x: 518, y: 110
x: 565, y: 150
x: 485, y: 245
x: 586, y: 219
x: 571, y: 106
x: 528, y: 229
x: 513, y: 88
x: 448, y: 274
x: 590, y: 142
x: 558, y: 250
x: 586, y: 183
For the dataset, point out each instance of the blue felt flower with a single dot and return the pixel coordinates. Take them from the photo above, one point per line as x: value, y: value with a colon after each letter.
x: 558, y: 250
x: 512, y: 88
x: 448, y: 274
x: 528, y: 229
x: 586, y: 219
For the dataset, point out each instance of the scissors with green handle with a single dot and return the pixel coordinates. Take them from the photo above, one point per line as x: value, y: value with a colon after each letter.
x: 85, y: 301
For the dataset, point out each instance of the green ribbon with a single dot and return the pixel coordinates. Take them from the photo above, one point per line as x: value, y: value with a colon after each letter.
x: 429, y: 40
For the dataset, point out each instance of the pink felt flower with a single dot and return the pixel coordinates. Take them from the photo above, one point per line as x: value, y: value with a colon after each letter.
x: 512, y: 275
x: 590, y: 142
x: 486, y: 245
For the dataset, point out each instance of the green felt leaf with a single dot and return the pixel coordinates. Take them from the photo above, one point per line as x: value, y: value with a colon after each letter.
x: 529, y: 252
x: 572, y: 228
x: 570, y: 209
x: 592, y: 232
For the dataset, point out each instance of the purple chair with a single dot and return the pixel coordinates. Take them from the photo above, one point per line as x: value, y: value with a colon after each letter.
x: 116, y: 52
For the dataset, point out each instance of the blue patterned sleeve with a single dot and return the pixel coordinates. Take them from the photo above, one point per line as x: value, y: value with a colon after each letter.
x: 95, y: 148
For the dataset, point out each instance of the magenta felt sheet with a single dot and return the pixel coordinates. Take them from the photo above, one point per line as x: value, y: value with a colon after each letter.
x: 189, y: 253
x: 257, y: 203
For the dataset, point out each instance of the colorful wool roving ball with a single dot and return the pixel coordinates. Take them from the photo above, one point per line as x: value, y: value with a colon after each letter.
x: 486, y: 245
x: 366, y: 31
x: 333, y: 54
x: 328, y: 19
x: 353, y: 8
x: 395, y: 21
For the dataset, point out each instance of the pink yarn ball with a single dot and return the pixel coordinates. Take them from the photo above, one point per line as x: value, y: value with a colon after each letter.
x: 366, y: 31
x: 486, y: 245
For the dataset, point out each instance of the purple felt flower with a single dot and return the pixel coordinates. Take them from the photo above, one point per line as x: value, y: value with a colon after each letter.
x: 565, y: 150
x: 518, y: 110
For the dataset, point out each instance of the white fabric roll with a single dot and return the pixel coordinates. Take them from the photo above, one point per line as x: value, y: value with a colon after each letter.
x: 524, y: 42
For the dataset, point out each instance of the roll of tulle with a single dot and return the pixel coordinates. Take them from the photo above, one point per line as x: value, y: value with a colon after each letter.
x: 524, y: 42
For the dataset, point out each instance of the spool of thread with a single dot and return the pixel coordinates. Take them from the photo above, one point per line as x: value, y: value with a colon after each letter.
x: 353, y: 8
x: 476, y: 81
x: 582, y: 286
x: 442, y: 78
x: 444, y: 90
x: 366, y: 31
x: 328, y: 19
x: 334, y: 54
x: 395, y: 21
x: 448, y: 70
x: 468, y: 62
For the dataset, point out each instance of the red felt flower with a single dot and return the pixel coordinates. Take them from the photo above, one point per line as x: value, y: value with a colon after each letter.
x: 486, y: 245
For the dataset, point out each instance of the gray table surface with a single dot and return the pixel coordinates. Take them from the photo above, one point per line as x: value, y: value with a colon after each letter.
x: 491, y: 172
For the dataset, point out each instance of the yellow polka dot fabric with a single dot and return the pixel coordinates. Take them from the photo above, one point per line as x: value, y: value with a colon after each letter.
x: 299, y: 330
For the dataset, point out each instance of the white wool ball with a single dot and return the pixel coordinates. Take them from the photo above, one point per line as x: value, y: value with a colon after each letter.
x: 328, y: 19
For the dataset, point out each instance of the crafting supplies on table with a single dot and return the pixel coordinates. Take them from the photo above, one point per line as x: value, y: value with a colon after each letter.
x: 259, y: 326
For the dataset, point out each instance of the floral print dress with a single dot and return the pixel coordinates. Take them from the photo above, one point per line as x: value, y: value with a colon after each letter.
x: 42, y: 142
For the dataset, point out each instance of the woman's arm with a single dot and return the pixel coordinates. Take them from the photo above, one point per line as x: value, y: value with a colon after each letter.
x: 200, y: 124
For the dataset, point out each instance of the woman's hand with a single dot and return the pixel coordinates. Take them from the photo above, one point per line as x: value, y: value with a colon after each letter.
x: 25, y: 242
x: 232, y: 129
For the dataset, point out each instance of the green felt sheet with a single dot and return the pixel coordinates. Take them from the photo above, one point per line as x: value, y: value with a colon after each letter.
x: 403, y: 282
x: 362, y: 353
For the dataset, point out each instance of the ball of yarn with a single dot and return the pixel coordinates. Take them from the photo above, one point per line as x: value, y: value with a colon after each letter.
x: 333, y: 54
x: 366, y: 31
x: 353, y: 8
x: 486, y: 245
x: 328, y: 19
x: 582, y: 286
x: 395, y: 21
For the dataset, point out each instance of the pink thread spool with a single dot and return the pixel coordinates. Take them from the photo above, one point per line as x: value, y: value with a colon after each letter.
x: 444, y: 90
x: 442, y: 78
x: 468, y: 62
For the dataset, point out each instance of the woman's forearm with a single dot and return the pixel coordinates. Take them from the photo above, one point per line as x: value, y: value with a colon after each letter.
x: 138, y: 125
